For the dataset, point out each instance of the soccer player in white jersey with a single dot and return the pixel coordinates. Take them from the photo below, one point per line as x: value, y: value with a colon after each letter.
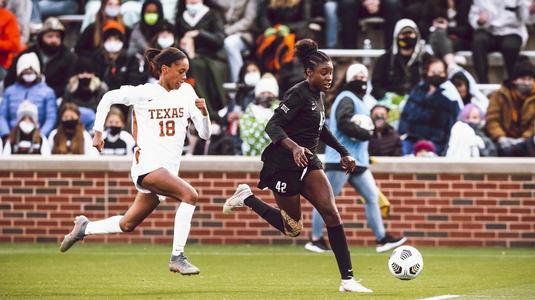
x: 161, y: 115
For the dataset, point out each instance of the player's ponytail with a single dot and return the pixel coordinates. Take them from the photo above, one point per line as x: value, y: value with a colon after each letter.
x: 307, y: 52
x: 157, y: 58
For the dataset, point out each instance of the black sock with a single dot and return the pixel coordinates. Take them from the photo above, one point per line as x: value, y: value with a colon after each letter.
x: 337, y: 239
x: 266, y: 211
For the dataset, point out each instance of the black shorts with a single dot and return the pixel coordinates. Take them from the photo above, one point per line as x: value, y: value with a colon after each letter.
x: 285, y: 182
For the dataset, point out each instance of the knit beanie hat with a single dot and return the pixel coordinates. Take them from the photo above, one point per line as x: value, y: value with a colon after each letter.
x: 27, y: 108
x: 355, y: 69
x: 28, y: 60
x: 267, y: 83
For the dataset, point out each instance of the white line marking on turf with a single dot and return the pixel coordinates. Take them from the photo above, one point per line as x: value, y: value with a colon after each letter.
x: 441, y: 297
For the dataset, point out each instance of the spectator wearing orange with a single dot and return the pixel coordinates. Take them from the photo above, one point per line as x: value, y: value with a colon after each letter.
x: 9, y: 39
x: 55, y: 59
x: 511, y: 111
x: 92, y: 38
x: 70, y: 137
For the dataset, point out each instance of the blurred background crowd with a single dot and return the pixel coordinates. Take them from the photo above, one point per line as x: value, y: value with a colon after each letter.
x: 439, y: 77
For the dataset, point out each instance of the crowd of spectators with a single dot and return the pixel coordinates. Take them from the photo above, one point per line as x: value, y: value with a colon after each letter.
x: 421, y: 96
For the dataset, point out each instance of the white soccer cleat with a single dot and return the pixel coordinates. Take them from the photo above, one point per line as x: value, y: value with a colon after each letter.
x: 242, y: 192
x: 351, y: 285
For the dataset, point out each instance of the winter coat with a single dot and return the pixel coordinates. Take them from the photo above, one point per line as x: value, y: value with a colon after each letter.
x: 296, y: 18
x: 239, y: 16
x: 97, y: 89
x: 385, y: 143
x: 39, y: 94
x: 123, y: 71
x: 500, y: 114
x: 429, y: 117
x: 211, y: 34
x: 9, y: 38
x: 57, y: 69
x: 396, y: 73
x: 85, y: 46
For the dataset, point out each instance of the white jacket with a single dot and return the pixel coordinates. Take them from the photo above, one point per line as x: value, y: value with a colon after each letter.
x: 464, y: 142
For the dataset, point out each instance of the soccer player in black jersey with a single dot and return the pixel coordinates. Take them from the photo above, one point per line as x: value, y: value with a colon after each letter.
x: 291, y: 166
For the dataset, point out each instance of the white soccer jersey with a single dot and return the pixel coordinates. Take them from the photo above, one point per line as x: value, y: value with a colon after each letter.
x: 159, y: 123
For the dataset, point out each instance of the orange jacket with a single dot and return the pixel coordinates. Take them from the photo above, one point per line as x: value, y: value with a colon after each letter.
x: 9, y: 37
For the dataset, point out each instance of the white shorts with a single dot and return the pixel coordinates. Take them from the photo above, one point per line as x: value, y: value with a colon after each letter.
x: 135, y: 176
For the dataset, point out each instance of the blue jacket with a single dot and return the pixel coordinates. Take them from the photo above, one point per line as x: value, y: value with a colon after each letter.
x: 357, y: 148
x: 428, y: 117
x: 39, y: 94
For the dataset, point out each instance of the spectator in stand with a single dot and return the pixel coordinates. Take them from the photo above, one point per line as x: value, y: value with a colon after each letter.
x: 511, y: 111
x: 280, y: 23
x: 499, y: 26
x: 147, y: 27
x: 467, y: 87
x: 22, y: 9
x: 385, y: 140
x: 55, y: 59
x: 85, y: 89
x: 29, y: 86
x: 92, y: 38
x: 70, y: 137
x: 257, y: 114
x: 431, y: 109
x: 444, y: 24
x: 128, y: 9
x: 9, y: 39
x: 424, y: 148
x: 113, y: 65
x: 350, y: 11
x: 25, y: 137
x: 398, y: 70
x: 239, y: 19
x: 164, y: 37
x: 54, y: 8
x: 467, y: 137
x: 117, y: 141
x: 201, y: 36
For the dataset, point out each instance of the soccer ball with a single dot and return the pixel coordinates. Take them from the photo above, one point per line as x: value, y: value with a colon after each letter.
x: 363, y: 121
x: 405, y: 263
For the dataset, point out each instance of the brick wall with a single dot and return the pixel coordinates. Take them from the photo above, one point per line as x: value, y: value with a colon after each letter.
x: 433, y: 209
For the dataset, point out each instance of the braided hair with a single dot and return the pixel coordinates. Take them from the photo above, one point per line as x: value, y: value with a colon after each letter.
x: 306, y: 51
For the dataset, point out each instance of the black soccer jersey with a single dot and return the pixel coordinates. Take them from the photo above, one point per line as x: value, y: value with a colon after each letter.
x: 300, y: 117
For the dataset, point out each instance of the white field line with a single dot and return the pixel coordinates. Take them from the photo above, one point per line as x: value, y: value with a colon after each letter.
x: 441, y: 297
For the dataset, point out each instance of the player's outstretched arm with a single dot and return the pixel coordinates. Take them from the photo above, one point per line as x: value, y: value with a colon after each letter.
x: 125, y: 95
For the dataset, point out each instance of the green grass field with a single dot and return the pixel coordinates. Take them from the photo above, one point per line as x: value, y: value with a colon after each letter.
x: 94, y: 271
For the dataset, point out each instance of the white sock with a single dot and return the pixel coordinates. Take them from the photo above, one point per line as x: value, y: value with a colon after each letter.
x: 183, y: 216
x: 109, y: 225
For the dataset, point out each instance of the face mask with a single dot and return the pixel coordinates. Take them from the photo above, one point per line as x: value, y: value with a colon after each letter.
x: 379, y: 120
x: 358, y: 87
x: 151, y: 18
x: 26, y: 126
x: 473, y: 126
x: 69, y: 124
x: 407, y: 42
x: 524, y: 89
x: 114, y: 130
x: 50, y: 49
x: 265, y: 101
x: 113, y: 46
x: 29, y: 78
x: 112, y: 11
x: 436, y: 80
x: 165, y: 42
x: 84, y: 82
x: 193, y: 8
x: 251, y: 79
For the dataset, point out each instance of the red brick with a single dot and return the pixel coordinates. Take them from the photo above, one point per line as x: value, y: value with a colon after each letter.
x: 414, y: 185
x: 403, y: 177
x: 23, y: 174
x: 460, y: 234
x: 490, y: 186
x: 438, y: 185
x: 5, y: 174
x: 484, y: 235
x: 10, y: 182
x: 450, y: 177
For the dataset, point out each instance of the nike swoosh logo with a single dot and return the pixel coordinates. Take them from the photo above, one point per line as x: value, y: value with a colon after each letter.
x: 150, y: 100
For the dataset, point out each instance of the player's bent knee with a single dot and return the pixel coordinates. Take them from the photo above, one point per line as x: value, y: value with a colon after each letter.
x: 191, y: 197
x: 292, y: 228
x: 127, y: 226
x: 331, y: 217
